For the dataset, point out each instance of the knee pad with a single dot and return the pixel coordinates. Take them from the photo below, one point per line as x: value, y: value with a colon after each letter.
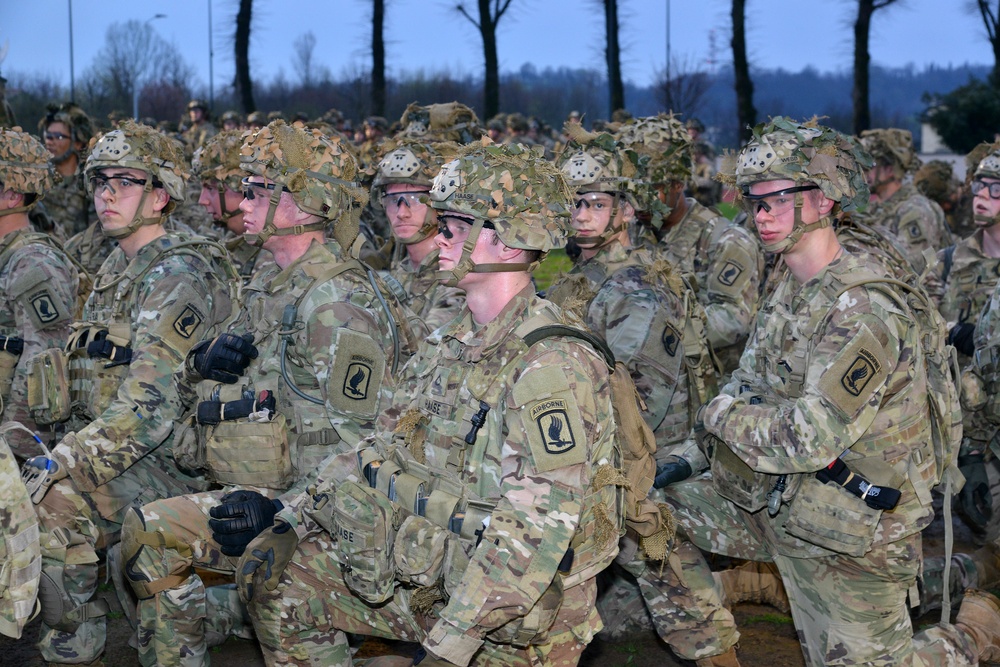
x: 135, y: 538
x: 59, y: 611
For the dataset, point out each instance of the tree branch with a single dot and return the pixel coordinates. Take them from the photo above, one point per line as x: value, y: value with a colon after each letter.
x: 461, y: 10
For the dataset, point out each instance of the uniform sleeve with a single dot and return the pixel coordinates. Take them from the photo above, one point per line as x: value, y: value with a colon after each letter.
x: 733, y: 286
x: 40, y: 289
x: 546, y: 467
x: 173, y: 313
x: 933, y: 279
x: 846, y: 381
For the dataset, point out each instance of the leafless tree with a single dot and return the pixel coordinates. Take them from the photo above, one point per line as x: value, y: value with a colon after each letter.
x: 490, y: 13
x: 746, y: 113
x: 378, y: 57
x: 991, y: 21
x: 242, y: 82
x: 612, y: 53
x: 682, y: 89
x: 862, y: 118
x: 302, y: 62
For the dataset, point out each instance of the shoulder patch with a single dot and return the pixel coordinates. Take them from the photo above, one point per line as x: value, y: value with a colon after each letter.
x: 45, y: 308
x: 188, y: 321
x: 551, y: 419
x: 856, y: 373
x: 356, y: 374
x: 671, y: 339
x: 729, y: 273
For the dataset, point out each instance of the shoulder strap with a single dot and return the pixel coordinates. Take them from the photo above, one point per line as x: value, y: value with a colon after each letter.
x: 947, y: 258
x: 552, y: 330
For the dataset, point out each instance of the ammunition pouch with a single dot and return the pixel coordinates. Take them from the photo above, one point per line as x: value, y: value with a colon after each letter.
x: 48, y: 388
x: 426, y: 554
x: 736, y: 481
x: 250, y: 453
x: 829, y: 516
x: 97, y: 362
x: 366, y: 523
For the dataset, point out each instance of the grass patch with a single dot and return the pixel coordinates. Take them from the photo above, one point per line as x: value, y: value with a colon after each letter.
x: 555, y: 264
x: 116, y: 614
x: 631, y: 650
x: 776, y: 619
x: 727, y: 209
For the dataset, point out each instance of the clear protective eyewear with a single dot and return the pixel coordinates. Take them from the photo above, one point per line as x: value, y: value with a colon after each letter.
x: 776, y: 202
x: 121, y: 186
x: 249, y: 187
x: 395, y: 201
x: 457, y: 227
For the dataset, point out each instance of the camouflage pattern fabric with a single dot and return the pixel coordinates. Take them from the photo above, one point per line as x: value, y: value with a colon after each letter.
x: 69, y: 206
x: 91, y: 248
x: 729, y: 274
x: 197, y: 135
x: 248, y: 259
x: 321, y: 361
x: 38, y: 288
x: 916, y: 222
x: 432, y: 303
x: 534, y: 460
x: 19, y: 545
x: 828, y: 376
x: 166, y: 303
x: 986, y: 419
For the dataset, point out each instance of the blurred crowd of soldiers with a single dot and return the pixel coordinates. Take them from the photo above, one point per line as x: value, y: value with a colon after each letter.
x: 317, y: 360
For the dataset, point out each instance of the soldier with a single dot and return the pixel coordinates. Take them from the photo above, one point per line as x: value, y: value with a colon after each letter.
x: 831, y: 382
x: 402, y: 182
x: 725, y: 261
x: 231, y: 120
x: 375, y: 129
x: 936, y: 180
x: 256, y: 120
x: 916, y: 222
x: 201, y: 128
x: 303, y: 373
x: 704, y: 187
x: 67, y: 131
x: 153, y: 299
x: 655, y: 326
x: 38, y: 283
x: 496, y: 438
x: 217, y: 166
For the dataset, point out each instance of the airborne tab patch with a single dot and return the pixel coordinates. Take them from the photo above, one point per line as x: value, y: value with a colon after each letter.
x: 554, y: 427
x: 188, y: 322
x: 860, y: 372
x: 856, y: 372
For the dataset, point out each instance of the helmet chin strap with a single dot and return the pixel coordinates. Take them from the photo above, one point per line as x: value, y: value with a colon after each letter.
x: 224, y: 215
x: 986, y: 220
x: 270, y: 229
x: 428, y: 229
x: 137, y: 221
x: 610, y: 232
x: 465, y: 265
x: 798, y: 229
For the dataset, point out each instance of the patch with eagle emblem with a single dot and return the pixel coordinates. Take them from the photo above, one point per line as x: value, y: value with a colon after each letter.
x: 729, y: 279
x: 356, y: 374
x: 551, y: 419
x: 188, y: 322
x: 729, y: 273
x: 856, y: 373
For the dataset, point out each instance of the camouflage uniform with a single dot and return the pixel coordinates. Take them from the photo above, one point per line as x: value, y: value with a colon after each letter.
x: 527, y: 478
x: 340, y: 330
x: 38, y: 285
x: 90, y: 248
x: 69, y: 206
x: 432, y: 303
x: 19, y: 545
x: 845, y: 364
x: 155, y: 306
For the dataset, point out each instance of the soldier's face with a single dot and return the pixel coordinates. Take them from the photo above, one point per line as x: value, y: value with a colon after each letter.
x: 196, y: 115
x: 117, y: 195
x: 459, y: 226
x: 592, y: 213
x: 286, y: 214
x: 982, y: 203
x: 403, y: 208
x: 58, y: 138
x: 209, y: 200
x: 775, y: 224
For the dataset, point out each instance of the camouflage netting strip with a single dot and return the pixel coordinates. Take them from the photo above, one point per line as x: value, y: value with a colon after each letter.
x: 657, y: 546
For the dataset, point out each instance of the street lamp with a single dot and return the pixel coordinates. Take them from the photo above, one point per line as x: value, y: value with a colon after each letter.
x: 135, y: 84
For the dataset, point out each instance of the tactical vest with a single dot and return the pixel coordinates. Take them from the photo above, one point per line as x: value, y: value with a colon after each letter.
x: 897, y: 450
x: 20, y: 553
x: 968, y: 284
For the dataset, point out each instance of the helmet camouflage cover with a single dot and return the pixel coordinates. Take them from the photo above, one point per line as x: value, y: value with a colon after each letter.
x: 24, y: 163
x: 141, y: 147
x: 219, y: 159
x: 986, y: 158
x: 784, y: 149
x: 75, y: 118
x: 441, y: 122
x: 892, y: 146
x: 513, y: 187
x: 936, y: 179
x: 665, y: 142
x: 597, y: 162
x: 412, y: 161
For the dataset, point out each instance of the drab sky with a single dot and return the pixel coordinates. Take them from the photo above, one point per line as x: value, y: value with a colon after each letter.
x: 430, y: 35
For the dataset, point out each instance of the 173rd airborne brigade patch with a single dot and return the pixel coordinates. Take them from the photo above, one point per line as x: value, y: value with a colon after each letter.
x: 856, y: 373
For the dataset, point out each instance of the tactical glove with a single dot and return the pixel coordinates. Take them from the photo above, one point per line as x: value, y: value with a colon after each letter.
x: 240, y: 518
x: 39, y: 473
x: 961, y: 336
x: 224, y: 358
x: 674, y: 469
x: 265, y: 559
x: 974, y: 500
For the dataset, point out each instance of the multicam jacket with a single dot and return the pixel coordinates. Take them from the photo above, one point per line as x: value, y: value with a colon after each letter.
x: 432, y: 303
x: 916, y: 222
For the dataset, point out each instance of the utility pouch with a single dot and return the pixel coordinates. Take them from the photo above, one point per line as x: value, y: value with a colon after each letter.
x: 533, y: 627
x: 830, y: 517
x: 106, y: 378
x: 421, y: 550
x: 188, y: 447
x: 736, y: 481
x: 366, y: 523
x: 8, y: 363
x: 48, y: 388
x: 247, y: 453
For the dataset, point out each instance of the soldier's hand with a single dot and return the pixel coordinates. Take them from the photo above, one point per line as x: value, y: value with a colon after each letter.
x: 674, y: 469
x: 265, y: 559
x: 39, y: 473
x: 240, y: 518
x: 224, y: 358
x: 974, y: 500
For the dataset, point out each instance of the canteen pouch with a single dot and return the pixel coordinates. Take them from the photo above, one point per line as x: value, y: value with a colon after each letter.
x: 48, y: 388
x: 828, y: 516
x: 366, y: 523
x: 736, y: 481
x: 421, y: 551
x: 247, y: 453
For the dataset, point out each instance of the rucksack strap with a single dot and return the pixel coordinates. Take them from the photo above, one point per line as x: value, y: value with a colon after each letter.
x: 552, y: 330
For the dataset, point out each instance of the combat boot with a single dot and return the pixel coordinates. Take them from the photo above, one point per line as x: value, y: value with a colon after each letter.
x: 727, y: 659
x: 979, y: 617
x: 758, y: 583
x: 980, y: 569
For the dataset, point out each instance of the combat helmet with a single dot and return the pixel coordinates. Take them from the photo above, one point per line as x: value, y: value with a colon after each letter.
x: 81, y: 128
x: 597, y: 162
x: 135, y: 146
x: 893, y: 147
x: 410, y: 161
x: 986, y: 158
x: 664, y: 146
x: 198, y: 104
x: 441, y: 122
x: 808, y: 154
x: 319, y: 173
x: 218, y: 161
x: 508, y: 188
x: 24, y: 167
x: 936, y: 180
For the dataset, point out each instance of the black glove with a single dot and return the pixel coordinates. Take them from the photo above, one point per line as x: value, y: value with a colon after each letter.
x: 975, y: 501
x: 240, y: 518
x: 225, y: 357
x: 961, y: 336
x: 671, y: 471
